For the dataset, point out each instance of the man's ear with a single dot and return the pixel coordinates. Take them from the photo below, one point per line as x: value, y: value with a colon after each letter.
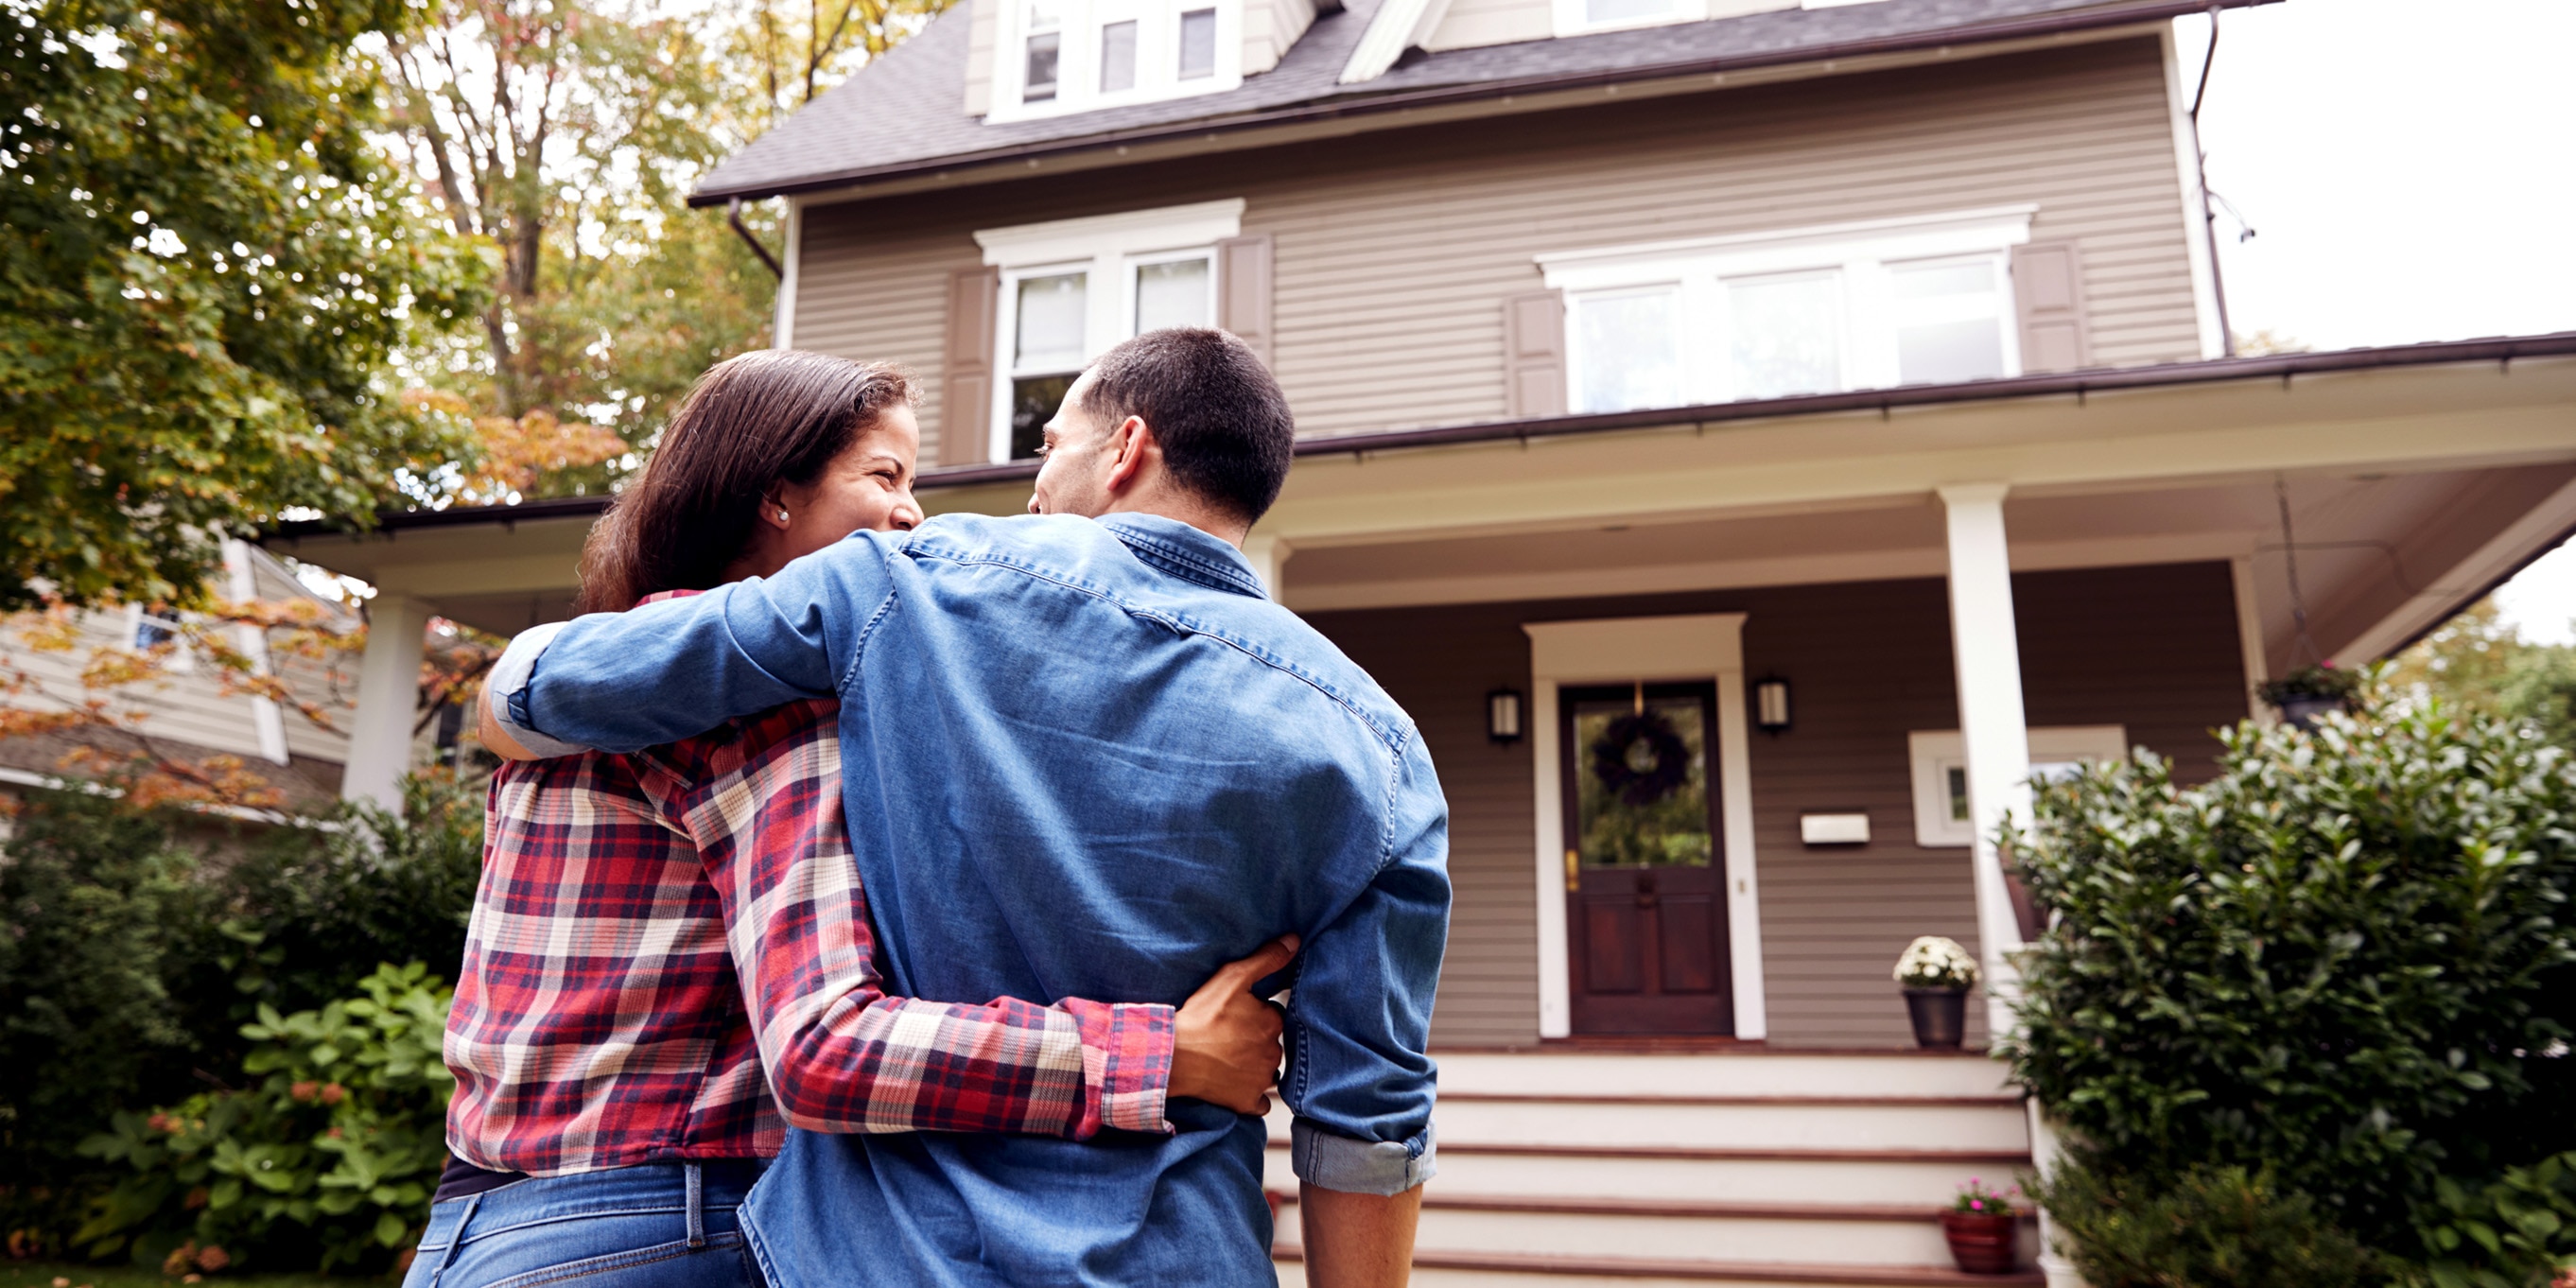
x: 1134, y: 441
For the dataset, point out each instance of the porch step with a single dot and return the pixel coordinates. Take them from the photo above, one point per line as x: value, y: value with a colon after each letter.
x: 1726, y: 1167
x: 1730, y: 1074
x: 1461, y: 1270
x: 1767, y: 1233
x: 1924, y: 1178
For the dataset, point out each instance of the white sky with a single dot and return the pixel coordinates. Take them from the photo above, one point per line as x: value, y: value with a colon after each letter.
x: 2411, y: 169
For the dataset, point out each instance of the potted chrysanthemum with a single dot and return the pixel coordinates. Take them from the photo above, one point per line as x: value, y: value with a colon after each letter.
x: 1980, y: 1227
x: 1936, y: 974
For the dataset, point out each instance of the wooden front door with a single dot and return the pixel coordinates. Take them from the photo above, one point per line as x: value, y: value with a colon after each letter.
x: 1645, y: 894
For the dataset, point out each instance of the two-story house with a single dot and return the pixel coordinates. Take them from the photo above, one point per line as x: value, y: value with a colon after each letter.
x: 1750, y: 438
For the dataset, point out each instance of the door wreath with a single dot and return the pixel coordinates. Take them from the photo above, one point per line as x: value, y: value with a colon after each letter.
x: 1641, y: 758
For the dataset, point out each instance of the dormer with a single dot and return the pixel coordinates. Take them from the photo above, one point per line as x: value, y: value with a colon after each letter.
x: 1039, y: 58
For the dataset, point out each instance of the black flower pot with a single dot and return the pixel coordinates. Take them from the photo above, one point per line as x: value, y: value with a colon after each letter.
x: 1940, y: 1017
x: 2305, y: 712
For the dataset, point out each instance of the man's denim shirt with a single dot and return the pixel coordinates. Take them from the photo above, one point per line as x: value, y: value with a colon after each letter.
x: 1082, y: 759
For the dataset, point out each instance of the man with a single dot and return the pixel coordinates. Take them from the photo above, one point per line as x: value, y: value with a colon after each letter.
x: 1084, y: 755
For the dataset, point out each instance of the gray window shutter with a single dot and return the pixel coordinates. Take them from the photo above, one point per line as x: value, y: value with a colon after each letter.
x: 966, y: 386
x: 1243, y: 290
x: 1534, y: 353
x: 2048, y: 286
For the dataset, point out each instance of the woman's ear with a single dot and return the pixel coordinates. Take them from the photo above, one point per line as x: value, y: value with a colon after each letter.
x: 773, y: 511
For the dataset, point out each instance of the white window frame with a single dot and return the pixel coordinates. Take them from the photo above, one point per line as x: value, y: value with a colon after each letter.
x: 1937, y: 752
x: 1574, y: 17
x: 181, y: 660
x: 1110, y: 248
x: 1078, y: 58
x: 1862, y: 255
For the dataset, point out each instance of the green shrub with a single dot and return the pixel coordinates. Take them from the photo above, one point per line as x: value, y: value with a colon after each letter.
x: 2350, y: 960
x: 135, y: 944
x: 2209, y: 1227
x: 329, y: 1157
x: 2519, y: 1230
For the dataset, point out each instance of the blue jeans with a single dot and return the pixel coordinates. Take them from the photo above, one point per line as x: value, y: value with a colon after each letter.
x: 653, y: 1225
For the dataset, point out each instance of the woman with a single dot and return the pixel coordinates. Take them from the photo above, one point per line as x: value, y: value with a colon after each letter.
x: 670, y: 959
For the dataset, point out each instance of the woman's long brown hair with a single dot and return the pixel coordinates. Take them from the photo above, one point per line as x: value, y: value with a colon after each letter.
x: 753, y: 422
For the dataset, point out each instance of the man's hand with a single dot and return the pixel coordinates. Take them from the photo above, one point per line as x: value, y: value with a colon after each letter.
x: 1226, y: 1047
x: 1358, y: 1240
x: 496, y: 739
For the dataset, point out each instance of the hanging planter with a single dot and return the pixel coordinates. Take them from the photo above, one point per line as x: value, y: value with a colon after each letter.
x: 2306, y: 696
x: 1935, y: 975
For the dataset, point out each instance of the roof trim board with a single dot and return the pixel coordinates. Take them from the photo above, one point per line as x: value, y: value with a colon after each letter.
x: 2502, y: 350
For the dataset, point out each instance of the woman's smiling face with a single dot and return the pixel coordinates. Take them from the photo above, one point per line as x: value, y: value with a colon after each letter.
x: 868, y: 487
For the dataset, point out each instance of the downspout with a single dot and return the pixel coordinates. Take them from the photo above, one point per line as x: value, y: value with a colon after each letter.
x: 2208, y: 209
x: 733, y: 216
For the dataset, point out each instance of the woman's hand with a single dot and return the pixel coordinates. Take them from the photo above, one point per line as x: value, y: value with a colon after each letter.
x: 1226, y: 1046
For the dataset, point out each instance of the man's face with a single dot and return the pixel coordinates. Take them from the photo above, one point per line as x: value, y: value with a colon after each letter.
x: 1073, y: 473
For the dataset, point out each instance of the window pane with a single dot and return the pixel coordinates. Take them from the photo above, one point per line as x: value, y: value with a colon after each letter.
x: 1198, y: 44
x: 1629, y: 353
x: 1050, y: 332
x: 1935, y: 280
x: 1624, y: 10
x: 1039, y: 85
x: 1949, y: 322
x: 1033, y: 403
x: 1118, y: 57
x: 1641, y: 783
x: 1173, y: 294
x: 1785, y: 336
x: 1948, y: 352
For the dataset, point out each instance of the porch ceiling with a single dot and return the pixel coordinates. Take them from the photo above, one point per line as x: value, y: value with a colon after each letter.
x: 2412, y: 488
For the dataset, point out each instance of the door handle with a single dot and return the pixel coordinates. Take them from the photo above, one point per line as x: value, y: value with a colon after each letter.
x: 1573, y: 870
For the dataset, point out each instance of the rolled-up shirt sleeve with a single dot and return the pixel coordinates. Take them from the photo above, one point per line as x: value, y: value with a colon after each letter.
x: 658, y: 673
x: 1358, y: 1082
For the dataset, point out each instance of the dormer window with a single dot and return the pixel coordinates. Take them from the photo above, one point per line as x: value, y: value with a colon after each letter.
x: 1075, y: 55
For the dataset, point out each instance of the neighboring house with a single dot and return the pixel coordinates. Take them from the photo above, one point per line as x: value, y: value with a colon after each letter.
x: 185, y: 711
x: 1749, y: 439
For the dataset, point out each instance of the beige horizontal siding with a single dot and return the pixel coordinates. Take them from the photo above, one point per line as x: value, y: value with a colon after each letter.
x: 880, y: 293
x: 2150, y: 648
x: 1395, y: 250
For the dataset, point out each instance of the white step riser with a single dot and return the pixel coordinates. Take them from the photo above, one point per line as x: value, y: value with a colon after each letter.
x: 1293, y: 1275
x: 1685, y: 1126
x: 1738, y: 1239
x: 1690, y: 1180
x: 1721, y: 1075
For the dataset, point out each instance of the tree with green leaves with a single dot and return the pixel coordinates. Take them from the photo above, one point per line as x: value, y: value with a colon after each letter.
x: 205, y: 267
x: 2477, y: 661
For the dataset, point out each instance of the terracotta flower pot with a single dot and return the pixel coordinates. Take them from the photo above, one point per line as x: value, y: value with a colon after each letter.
x: 1940, y: 1017
x: 1980, y: 1243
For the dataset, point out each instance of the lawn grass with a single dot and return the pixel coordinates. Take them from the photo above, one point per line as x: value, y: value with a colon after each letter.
x: 44, y: 1274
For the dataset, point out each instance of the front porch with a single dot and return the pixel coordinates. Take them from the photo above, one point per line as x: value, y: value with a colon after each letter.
x: 1744, y: 1168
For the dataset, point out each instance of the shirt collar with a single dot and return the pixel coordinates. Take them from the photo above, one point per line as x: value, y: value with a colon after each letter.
x: 1175, y: 547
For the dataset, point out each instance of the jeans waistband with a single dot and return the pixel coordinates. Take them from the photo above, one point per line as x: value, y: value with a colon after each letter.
x: 643, y: 1187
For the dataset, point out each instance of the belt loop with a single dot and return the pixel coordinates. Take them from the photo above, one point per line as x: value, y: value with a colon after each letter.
x: 456, y: 1241
x: 697, y: 1206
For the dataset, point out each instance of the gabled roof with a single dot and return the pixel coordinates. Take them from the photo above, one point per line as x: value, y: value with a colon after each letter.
x: 904, y: 115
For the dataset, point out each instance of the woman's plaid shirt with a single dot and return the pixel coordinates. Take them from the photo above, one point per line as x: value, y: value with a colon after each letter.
x: 653, y: 930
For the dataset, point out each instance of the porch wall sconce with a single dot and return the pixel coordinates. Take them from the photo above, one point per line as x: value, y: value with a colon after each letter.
x: 1771, y: 705
x: 1503, y: 715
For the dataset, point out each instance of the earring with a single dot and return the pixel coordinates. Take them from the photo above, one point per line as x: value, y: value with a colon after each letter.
x: 782, y: 514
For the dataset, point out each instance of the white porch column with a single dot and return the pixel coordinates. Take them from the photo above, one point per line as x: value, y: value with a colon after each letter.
x: 1988, y: 650
x: 1269, y: 557
x: 388, y: 701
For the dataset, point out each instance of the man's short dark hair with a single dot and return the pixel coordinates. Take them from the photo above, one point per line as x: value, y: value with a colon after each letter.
x: 1223, y: 424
